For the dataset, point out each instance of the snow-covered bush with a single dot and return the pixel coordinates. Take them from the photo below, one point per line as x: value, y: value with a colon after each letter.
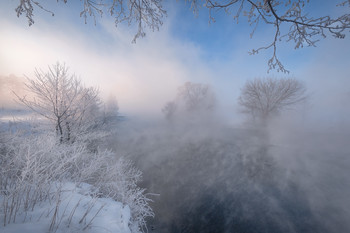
x: 116, y: 178
x: 34, y: 168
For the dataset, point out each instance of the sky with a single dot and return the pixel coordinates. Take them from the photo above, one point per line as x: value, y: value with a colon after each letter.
x: 144, y: 76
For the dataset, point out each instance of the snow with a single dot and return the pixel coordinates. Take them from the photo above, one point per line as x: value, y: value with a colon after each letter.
x: 78, y: 210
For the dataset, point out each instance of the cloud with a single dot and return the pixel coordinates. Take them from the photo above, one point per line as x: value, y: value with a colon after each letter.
x: 145, y: 75
x: 142, y: 76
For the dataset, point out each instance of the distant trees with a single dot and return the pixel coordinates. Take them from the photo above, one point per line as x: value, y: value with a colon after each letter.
x: 111, y: 110
x: 300, y: 27
x: 61, y: 98
x: 262, y: 98
x: 191, y: 99
x: 196, y: 96
x: 169, y: 110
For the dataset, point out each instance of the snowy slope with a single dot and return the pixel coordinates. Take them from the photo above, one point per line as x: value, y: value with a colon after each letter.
x: 77, y: 211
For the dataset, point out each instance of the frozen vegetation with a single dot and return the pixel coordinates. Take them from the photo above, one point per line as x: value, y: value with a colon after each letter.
x: 48, y: 186
x: 56, y: 174
x: 64, y: 171
x: 75, y: 209
x: 268, y: 156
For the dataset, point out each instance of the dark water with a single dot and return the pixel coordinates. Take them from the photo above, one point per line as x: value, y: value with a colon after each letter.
x: 239, y: 180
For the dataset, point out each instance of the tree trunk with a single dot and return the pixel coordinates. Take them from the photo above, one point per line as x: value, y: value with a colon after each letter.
x: 68, y: 131
x: 60, y: 129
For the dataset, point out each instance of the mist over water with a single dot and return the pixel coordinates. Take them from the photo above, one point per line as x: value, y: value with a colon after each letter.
x: 289, y: 176
x: 213, y: 170
x: 207, y: 174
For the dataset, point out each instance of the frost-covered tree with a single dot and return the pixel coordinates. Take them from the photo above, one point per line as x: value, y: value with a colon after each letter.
x: 265, y: 97
x: 191, y: 99
x: 61, y: 98
x: 289, y: 19
x: 196, y: 96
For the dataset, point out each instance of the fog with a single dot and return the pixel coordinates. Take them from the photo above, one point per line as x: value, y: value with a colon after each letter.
x: 207, y: 172
x: 210, y: 175
x: 9, y: 85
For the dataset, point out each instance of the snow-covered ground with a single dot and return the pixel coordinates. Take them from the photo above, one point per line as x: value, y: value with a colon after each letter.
x: 76, y: 209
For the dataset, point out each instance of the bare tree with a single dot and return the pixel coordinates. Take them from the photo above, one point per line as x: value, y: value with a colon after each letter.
x: 192, y: 98
x: 265, y: 97
x: 169, y: 110
x: 62, y: 99
x: 288, y: 18
x: 196, y: 96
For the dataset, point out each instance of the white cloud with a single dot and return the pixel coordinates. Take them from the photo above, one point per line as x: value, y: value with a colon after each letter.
x: 142, y: 76
x: 145, y: 75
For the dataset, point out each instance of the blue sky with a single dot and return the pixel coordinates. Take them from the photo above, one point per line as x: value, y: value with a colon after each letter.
x: 145, y: 75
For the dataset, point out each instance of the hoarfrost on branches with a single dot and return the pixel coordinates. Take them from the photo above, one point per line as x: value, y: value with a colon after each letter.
x: 289, y: 18
x: 145, y: 14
